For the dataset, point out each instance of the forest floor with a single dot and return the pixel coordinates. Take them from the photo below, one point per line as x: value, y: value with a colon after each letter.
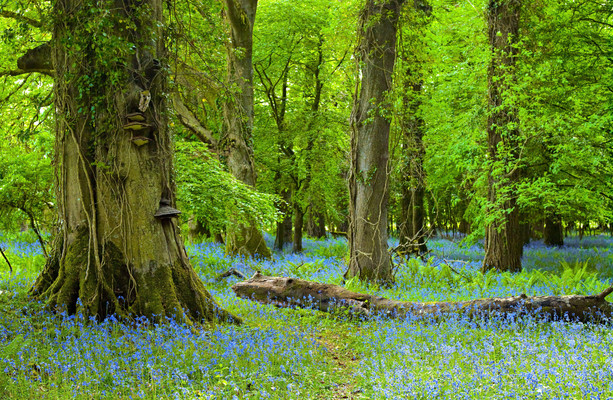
x: 305, y: 354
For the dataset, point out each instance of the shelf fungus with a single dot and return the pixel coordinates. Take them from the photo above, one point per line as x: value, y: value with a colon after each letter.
x: 136, y: 126
x: 135, y: 117
x: 140, y: 140
x: 166, y: 211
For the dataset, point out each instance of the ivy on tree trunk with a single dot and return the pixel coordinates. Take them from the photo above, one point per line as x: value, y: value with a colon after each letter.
x: 503, y: 239
x: 370, y: 126
x: 113, y: 157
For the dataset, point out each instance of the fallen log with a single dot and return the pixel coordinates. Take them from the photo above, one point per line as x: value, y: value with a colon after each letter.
x: 293, y: 292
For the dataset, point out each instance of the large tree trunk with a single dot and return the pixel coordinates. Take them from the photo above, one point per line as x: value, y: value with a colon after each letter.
x: 293, y: 292
x: 112, y: 254
x: 503, y: 239
x: 243, y: 239
x: 370, y: 125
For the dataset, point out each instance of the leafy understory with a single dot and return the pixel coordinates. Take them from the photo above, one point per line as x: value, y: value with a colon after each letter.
x: 306, y: 354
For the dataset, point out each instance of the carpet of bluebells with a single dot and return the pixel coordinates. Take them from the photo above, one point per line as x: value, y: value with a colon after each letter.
x: 304, y: 354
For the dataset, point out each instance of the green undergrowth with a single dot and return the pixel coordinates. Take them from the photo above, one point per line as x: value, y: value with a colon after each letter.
x: 283, y: 353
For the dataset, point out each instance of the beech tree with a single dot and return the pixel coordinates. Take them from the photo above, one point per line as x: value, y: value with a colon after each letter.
x: 370, y: 126
x: 503, y: 239
x: 118, y: 249
x: 244, y: 239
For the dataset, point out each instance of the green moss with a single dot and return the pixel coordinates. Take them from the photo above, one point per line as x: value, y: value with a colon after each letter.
x: 64, y: 291
x: 51, y: 269
x: 156, y: 291
x: 150, y: 286
x: 196, y: 298
x: 247, y: 241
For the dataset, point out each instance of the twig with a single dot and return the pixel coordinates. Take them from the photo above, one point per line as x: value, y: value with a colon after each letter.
x: 605, y: 293
x: 230, y: 272
x: 7, y: 260
x: 458, y: 261
x: 17, y: 72
x: 448, y: 263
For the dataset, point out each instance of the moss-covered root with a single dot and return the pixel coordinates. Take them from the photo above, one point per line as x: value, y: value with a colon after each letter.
x: 51, y: 270
x: 76, y: 283
x: 247, y: 241
x: 176, y: 292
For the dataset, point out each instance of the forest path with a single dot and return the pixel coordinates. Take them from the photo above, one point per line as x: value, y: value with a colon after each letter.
x: 345, y: 361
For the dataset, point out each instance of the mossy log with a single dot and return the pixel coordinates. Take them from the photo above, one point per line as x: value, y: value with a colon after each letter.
x: 292, y: 292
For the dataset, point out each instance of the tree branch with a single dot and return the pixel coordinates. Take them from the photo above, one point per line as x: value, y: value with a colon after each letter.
x: 18, y: 72
x: 7, y: 260
x: 190, y: 121
x: 21, y: 18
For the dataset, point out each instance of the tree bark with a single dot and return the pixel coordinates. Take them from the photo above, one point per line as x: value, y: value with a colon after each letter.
x: 525, y: 228
x: 278, y: 107
x: 413, y: 231
x: 242, y: 239
x: 34, y: 227
x: 38, y: 58
x: 112, y: 255
x: 553, y: 234
x: 284, y: 227
x: 298, y: 223
x: 405, y: 229
x: 197, y: 230
x: 370, y: 125
x: 316, y: 224
x: 293, y: 292
x: 503, y: 240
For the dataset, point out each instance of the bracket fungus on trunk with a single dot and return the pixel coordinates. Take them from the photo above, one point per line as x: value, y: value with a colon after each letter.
x: 136, y: 126
x: 166, y: 211
x: 140, y: 140
x: 135, y: 117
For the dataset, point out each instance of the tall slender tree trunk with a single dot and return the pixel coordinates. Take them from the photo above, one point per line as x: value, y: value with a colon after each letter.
x: 525, y: 228
x: 413, y: 230
x: 553, y: 235
x: 370, y: 125
x: 243, y: 239
x: 119, y: 250
x: 298, y: 224
x: 405, y: 228
x: 503, y: 239
x: 316, y: 224
x: 284, y: 227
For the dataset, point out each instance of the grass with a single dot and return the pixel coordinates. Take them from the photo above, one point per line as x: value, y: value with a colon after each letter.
x: 305, y: 354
